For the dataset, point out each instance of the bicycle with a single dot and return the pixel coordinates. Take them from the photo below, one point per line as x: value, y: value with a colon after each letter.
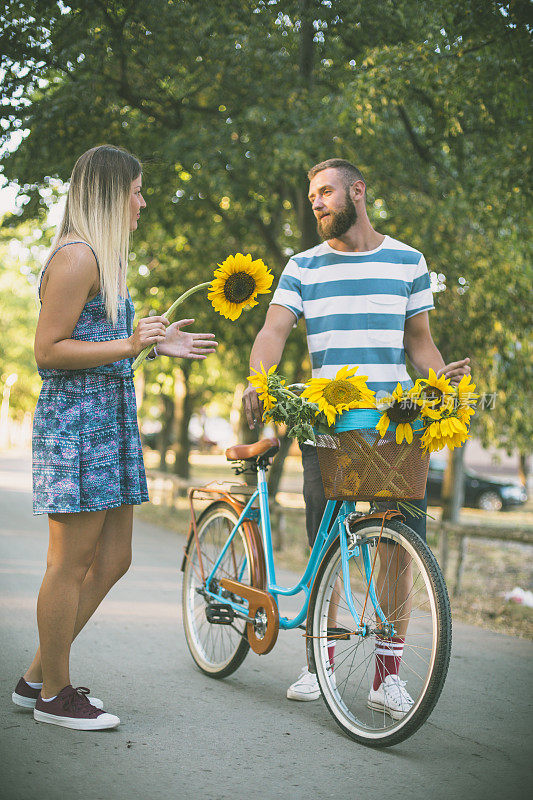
x: 360, y: 563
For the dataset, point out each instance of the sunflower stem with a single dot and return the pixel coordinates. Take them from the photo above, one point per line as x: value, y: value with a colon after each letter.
x: 142, y: 355
x: 414, y: 510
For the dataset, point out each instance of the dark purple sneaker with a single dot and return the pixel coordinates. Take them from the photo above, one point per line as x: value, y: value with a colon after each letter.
x: 72, y: 709
x: 26, y: 696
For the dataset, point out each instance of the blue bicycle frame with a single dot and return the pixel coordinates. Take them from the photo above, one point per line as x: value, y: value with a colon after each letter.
x: 327, y: 533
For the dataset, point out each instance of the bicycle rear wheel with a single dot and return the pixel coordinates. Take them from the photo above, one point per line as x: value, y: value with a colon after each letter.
x: 411, y: 593
x: 218, y: 649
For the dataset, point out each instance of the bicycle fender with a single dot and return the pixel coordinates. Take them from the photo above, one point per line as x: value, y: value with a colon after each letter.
x: 253, y: 536
x: 308, y: 623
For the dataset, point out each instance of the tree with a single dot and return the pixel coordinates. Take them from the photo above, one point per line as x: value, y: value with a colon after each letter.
x: 229, y: 104
x: 21, y: 250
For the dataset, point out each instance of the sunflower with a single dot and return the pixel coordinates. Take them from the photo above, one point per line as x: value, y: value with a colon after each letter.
x: 259, y: 381
x: 237, y: 283
x: 436, y: 395
x: 466, y: 398
x: 402, y: 409
x: 342, y: 393
x: 450, y: 432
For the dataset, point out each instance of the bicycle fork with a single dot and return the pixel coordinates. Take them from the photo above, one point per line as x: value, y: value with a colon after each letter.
x: 353, y: 546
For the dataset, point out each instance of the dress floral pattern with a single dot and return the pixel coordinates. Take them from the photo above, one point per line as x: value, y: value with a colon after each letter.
x: 87, y: 452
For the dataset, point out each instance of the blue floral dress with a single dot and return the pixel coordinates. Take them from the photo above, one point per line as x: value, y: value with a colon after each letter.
x: 87, y: 452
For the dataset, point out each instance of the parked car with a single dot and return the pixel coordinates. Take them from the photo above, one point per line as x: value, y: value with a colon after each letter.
x: 490, y: 494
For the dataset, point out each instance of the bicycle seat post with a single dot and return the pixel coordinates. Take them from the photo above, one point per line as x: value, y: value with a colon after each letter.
x: 266, y: 530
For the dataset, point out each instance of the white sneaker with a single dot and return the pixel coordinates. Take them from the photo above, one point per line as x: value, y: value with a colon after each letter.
x: 305, y: 688
x: 391, y: 697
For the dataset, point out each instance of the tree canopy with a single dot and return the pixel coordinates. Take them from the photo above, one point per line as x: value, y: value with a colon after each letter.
x: 228, y: 104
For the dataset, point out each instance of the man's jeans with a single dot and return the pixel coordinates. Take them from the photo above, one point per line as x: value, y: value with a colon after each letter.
x: 315, y: 501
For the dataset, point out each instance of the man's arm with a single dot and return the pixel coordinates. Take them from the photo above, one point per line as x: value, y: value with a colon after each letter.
x: 423, y: 353
x: 267, y: 350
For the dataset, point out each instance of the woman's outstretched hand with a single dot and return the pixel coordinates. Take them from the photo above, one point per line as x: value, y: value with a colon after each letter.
x: 180, y: 344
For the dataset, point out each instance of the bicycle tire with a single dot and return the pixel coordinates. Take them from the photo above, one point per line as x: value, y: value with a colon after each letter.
x: 357, y: 718
x: 205, y: 639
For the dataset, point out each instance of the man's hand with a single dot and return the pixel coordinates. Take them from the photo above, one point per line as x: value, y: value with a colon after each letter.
x: 179, y: 344
x: 253, y: 407
x: 455, y: 370
x: 267, y: 350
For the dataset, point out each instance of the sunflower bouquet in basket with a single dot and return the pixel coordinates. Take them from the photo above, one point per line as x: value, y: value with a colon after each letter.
x: 433, y: 410
x: 441, y: 410
x: 380, y: 449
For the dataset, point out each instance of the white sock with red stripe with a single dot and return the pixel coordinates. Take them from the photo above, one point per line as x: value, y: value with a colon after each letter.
x: 388, y: 657
x: 331, y: 653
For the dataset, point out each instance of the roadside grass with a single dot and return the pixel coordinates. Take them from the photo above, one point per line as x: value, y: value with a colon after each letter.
x: 491, y: 568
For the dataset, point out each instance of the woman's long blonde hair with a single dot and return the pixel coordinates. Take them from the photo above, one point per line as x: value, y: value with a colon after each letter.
x: 98, y: 212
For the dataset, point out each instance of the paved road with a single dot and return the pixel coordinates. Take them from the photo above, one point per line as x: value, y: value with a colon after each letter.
x: 185, y: 736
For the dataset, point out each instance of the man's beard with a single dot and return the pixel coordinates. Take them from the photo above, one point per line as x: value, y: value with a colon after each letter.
x: 337, y: 223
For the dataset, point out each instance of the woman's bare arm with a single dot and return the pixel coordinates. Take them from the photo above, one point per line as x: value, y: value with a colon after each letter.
x: 71, y: 278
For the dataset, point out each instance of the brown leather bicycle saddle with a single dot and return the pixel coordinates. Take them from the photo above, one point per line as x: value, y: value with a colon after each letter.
x: 242, y: 452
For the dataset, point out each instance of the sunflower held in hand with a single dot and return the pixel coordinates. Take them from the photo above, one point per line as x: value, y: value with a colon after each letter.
x: 236, y: 284
x: 259, y: 380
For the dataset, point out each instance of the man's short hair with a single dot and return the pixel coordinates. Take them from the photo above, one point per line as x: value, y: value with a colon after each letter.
x: 350, y: 173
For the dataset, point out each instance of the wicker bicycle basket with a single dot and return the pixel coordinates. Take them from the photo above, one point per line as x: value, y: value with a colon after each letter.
x: 359, y: 464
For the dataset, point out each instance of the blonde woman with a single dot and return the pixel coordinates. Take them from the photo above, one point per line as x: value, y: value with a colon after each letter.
x: 88, y: 469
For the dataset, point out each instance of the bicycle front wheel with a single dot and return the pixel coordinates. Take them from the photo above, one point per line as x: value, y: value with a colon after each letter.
x: 218, y: 649
x: 381, y: 680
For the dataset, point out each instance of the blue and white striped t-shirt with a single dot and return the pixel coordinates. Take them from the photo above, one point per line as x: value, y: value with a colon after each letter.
x: 355, y: 306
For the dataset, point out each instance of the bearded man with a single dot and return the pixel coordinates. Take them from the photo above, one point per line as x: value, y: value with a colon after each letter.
x: 365, y: 299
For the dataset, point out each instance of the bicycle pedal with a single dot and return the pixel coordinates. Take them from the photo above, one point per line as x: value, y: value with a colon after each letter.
x: 219, y: 614
x: 339, y: 633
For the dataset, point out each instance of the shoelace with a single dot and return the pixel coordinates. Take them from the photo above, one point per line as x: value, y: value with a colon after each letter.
x: 304, y: 673
x: 77, y: 700
x: 396, y: 692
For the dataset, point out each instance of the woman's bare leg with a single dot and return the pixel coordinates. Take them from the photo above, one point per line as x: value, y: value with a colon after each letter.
x: 112, y: 557
x: 71, y: 549
x: 111, y: 561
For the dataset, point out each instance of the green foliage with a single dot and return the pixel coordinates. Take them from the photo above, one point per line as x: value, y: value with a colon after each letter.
x: 228, y: 104
x: 289, y: 409
x: 21, y: 250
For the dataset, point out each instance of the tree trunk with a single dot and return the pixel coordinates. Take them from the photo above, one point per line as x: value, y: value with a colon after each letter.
x: 184, y: 407
x: 305, y: 217
x: 165, y: 435
x: 453, y: 487
x: 306, y: 220
x: 276, y: 470
x: 307, y: 35
x: 247, y: 436
x: 523, y: 469
x: 236, y: 411
x: 277, y: 518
